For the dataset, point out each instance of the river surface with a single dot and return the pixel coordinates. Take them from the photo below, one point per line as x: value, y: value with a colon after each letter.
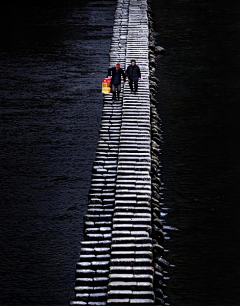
x: 199, y: 99
x: 52, y: 62
x: 52, y: 59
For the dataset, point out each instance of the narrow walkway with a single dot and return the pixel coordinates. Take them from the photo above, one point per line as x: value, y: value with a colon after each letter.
x: 131, y: 271
x: 116, y: 260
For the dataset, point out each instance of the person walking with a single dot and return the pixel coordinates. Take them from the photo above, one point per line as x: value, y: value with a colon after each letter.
x: 116, y: 73
x: 133, y: 74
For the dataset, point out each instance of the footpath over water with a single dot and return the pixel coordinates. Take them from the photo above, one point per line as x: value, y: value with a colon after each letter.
x: 121, y: 260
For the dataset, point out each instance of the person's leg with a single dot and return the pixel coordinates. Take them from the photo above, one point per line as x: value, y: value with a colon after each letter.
x: 131, y: 85
x: 135, y: 86
x: 114, y: 91
x: 118, y: 91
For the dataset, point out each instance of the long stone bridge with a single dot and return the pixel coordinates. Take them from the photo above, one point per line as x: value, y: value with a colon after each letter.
x: 121, y: 259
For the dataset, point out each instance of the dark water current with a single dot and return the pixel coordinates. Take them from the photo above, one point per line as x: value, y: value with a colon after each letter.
x: 199, y: 105
x: 52, y: 60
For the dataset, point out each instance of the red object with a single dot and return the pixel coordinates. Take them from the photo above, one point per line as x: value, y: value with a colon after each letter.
x: 106, y: 81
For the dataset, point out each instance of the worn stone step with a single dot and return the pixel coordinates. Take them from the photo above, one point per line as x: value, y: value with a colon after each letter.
x: 135, y: 203
x: 102, y: 185
x: 132, y: 269
x: 100, y: 199
x: 92, y: 281
x: 126, y: 233
x: 140, y: 277
x: 130, y: 294
x: 136, y: 240
x: 132, y: 209
x: 98, y: 211
x: 78, y: 303
x: 132, y: 227
x: 101, y: 217
x: 89, y: 224
x: 100, y: 205
x: 96, y: 243
x: 87, y: 297
x: 124, y: 174
x: 138, y: 145
x: 130, y: 302
x: 140, y: 195
x: 91, y: 273
x: 95, y: 250
x: 135, y: 166
x: 97, y: 303
x: 130, y: 285
x: 139, y: 183
x: 106, y: 175
x: 133, y: 177
x: 113, y: 155
x: 138, y: 137
x: 135, y: 121
x: 105, y: 202
x: 132, y: 246
x: 99, y: 230
x: 131, y: 254
x: 145, y: 196
x: 132, y: 160
x: 98, y: 236
x: 131, y: 150
x: 90, y: 289
x: 91, y: 263
x: 134, y: 220
x: 135, y: 133
x: 131, y: 214
x: 124, y: 188
x: 131, y: 261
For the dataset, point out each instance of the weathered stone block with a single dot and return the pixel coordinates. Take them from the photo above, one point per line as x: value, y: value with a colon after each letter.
x: 97, y: 303
x: 123, y: 261
x: 84, y: 289
x: 100, y: 296
x: 85, y: 272
x: 122, y: 301
x: 78, y: 303
x: 119, y: 293
x: 82, y: 297
x: 142, y: 301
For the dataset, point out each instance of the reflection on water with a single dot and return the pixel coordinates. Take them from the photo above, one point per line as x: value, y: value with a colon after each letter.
x: 198, y: 99
x: 52, y: 61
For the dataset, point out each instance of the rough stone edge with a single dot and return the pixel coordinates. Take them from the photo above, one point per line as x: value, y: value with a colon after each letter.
x: 160, y: 264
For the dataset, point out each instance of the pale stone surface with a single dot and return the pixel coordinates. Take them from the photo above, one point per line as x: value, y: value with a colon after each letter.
x: 116, y: 258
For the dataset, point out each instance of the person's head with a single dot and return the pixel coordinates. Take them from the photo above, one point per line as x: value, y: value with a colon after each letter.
x: 133, y: 62
x: 118, y: 66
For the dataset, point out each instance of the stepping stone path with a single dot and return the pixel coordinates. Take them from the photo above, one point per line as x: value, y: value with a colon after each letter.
x: 116, y: 259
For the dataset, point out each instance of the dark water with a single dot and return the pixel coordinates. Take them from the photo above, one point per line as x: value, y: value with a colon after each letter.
x: 199, y: 106
x: 52, y: 60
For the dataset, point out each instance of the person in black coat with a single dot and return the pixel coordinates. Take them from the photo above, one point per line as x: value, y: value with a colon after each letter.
x: 116, y: 73
x: 133, y: 74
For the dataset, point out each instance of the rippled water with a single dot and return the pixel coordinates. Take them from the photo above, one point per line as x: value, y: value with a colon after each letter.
x: 52, y: 60
x: 198, y: 99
